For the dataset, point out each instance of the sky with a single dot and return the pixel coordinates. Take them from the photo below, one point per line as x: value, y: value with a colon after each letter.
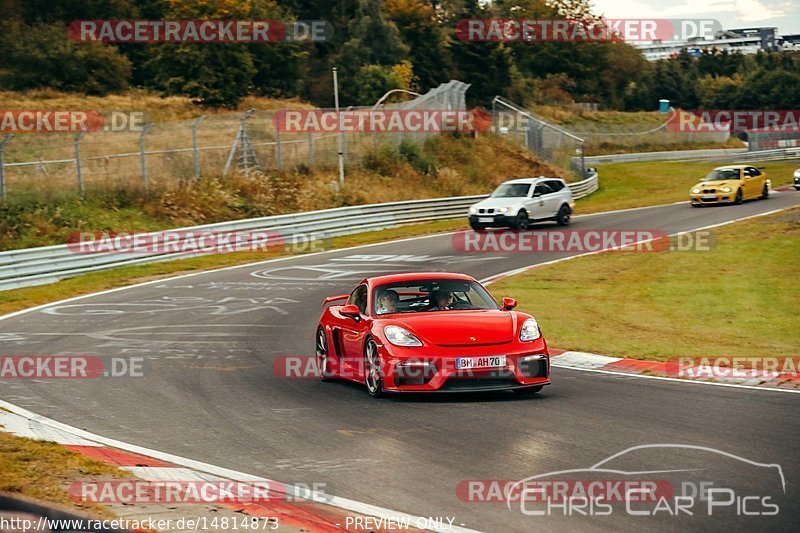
x: 783, y: 14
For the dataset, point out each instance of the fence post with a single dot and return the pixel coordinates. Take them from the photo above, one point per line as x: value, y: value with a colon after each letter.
x: 195, y: 146
x: 78, y: 138
x: 310, y: 148
x: 279, y: 148
x: 3, y: 144
x: 145, y: 130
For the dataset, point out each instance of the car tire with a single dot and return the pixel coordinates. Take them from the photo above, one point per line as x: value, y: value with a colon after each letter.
x: 521, y: 222
x: 564, y: 215
x: 695, y: 205
x: 739, y: 197
x: 323, y: 355
x: 476, y: 227
x: 796, y: 188
x: 372, y: 369
x: 765, y: 192
x: 529, y: 391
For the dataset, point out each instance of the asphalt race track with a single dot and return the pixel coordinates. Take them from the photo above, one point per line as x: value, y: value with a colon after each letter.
x: 210, y: 393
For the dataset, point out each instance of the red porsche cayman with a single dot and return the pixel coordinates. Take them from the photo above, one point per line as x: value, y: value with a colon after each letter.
x: 430, y: 332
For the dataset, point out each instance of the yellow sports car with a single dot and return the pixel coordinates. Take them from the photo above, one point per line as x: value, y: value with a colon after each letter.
x: 731, y: 184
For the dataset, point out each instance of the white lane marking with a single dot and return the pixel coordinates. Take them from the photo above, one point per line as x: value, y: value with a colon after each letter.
x: 335, y: 501
x: 503, y: 275
x: 586, y: 215
x: 678, y: 380
x: 23, y: 427
x: 202, y: 272
x: 584, y: 359
x: 277, y: 259
x: 169, y: 473
x: 496, y: 277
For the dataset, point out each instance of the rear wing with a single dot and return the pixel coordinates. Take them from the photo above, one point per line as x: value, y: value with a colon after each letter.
x: 330, y: 299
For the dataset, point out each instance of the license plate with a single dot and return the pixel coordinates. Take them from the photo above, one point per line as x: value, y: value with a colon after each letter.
x: 485, y: 219
x: 709, y: 198
x: 489, y: 361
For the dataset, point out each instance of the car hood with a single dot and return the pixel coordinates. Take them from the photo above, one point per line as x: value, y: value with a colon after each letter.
x: 500, y: 202
x: 717, y: 184
x: 462, y: 328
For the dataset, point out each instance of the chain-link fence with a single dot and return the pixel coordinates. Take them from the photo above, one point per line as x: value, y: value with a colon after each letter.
x: 164, y: 153
x: 551, y: 143
x: 602, y: 136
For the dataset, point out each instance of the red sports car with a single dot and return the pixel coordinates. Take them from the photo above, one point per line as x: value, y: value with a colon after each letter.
x: 430, y: 332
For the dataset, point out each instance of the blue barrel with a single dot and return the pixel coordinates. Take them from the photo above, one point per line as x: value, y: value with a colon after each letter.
x: 663, y: 106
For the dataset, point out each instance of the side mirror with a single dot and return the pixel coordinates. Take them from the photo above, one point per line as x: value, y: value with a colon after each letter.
x: 350, y: 311
x: 509, y: 304
x: 537, y: 194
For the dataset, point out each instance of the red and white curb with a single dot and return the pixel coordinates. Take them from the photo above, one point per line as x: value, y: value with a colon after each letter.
x: 304, y: 509
x: 785, y: 381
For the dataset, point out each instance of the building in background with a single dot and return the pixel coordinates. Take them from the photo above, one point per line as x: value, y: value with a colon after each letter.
x: 744, y: 40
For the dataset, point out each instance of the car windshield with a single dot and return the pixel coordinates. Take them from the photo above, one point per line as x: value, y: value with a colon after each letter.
x: 511, y: 190
x: 430, y: 296
x: 722, y: 174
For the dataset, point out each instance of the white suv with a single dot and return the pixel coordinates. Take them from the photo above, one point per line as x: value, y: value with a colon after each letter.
x: 517, y: 203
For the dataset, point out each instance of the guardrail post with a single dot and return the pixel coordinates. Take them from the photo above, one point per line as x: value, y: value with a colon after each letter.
x: 3, y: 144
x: 145, y: 130
x: 279, y: 148
x: 195, y: 146
x: 310, y: 148
x: 78, y: 138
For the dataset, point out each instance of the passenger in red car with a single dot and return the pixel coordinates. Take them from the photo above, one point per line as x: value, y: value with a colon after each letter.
x: 387, y: 302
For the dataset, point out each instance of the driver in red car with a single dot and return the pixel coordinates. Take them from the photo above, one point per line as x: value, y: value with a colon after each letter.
x: 442, y: 300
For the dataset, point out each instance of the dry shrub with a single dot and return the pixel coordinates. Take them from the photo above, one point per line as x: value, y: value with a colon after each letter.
x: 196, y: 202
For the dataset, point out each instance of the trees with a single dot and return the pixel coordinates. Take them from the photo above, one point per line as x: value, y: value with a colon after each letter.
x: 377, y: 45
x: 41, y: 56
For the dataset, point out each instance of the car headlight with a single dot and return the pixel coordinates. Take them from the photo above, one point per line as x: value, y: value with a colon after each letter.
x: 473, y: 210
x: 530, y: 330
x: 695, y: 191
x: 400, y: 336
x: 726, y: 189
x: 504, y: 209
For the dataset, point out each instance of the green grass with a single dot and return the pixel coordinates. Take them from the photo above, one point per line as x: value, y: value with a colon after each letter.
x: 739, y: 299
x: 44, y: 471
x: 624, y: 185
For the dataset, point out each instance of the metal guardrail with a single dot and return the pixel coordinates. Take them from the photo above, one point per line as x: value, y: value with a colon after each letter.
x: 37, y: 266
x: 722, y: 155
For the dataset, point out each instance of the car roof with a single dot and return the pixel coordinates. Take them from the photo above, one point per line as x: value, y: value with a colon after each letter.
x: 413, y: 276
x: 732, y: 166
x: 531, y: 180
